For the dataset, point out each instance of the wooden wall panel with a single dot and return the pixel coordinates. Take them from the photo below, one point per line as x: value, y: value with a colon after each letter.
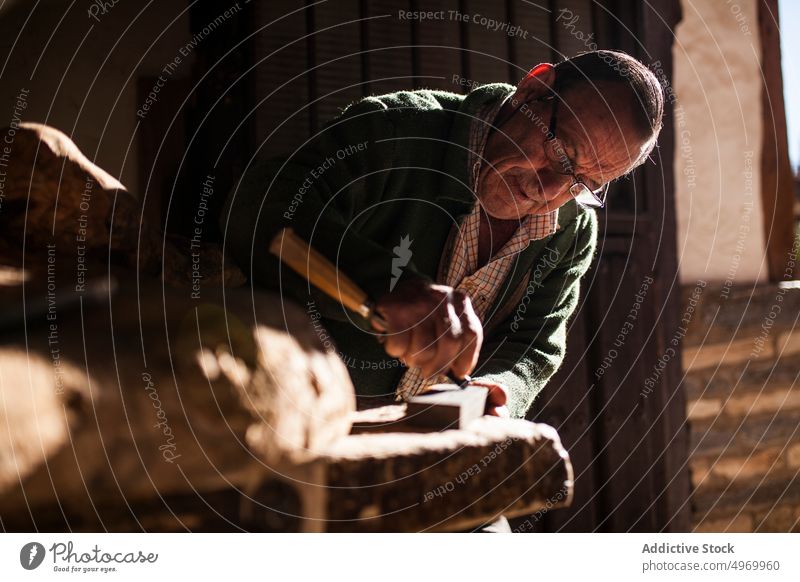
x: 536, y: 46
x: 637, y: 447
x: 339, y: 75
x: 574, y: 29
x: 657, y: 189
x: 624, y: 455
x: 567, y: 404
x: 389, y: 54
x: 488, y: 46
x: 437, y: 55
x: 280, y: 80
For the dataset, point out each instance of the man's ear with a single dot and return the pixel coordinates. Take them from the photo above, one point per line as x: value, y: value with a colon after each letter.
x: 537, y: 83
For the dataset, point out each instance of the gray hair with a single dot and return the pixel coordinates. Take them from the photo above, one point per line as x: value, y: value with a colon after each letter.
x: 617, y: 67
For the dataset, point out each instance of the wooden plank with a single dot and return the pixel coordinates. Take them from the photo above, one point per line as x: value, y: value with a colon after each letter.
x: 339, y: 73
x: 438, y: 53
x: 281, y: 89
x: 566, y: 405
x: 777, y: 181
x: 534, y: 18
x: 488, y: 57
x: 658, y: 22
x: 495, y: 466
x: 389, y: 55
x: 624, y: 456
x: 573, y: 31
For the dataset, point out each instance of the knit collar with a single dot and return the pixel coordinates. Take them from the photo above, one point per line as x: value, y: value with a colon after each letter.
x: 457, y: 158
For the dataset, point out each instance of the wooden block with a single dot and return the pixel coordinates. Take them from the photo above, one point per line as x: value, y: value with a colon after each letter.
x: 447, y: 408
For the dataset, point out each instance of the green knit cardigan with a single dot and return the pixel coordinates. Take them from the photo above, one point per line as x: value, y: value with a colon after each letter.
x: 395, y: 166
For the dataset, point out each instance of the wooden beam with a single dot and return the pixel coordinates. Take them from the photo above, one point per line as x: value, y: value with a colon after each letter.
x: 777, y: 184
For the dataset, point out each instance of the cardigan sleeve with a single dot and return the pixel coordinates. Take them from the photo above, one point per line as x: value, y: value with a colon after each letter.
x: 525, y: 350
x: 322, y: 191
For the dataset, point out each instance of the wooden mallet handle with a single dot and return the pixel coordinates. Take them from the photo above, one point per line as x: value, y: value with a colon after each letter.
x: 320, y: 272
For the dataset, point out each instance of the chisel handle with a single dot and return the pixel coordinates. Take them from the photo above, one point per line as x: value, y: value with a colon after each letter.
x: 320, y: 272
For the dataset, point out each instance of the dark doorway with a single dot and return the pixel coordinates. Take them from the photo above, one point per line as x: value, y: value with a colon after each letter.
x: 279, y: 69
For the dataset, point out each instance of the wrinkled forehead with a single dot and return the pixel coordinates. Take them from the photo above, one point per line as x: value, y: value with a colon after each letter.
x: 598, y: 124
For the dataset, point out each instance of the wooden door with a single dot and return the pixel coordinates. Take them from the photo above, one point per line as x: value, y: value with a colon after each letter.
x: 618, y: 410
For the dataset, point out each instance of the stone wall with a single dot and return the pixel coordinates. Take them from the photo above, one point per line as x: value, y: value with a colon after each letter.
x: 741, y: 359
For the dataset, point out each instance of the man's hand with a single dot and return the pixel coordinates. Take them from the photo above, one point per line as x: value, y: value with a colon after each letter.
x: 433, y: 327
x: 496, y: 398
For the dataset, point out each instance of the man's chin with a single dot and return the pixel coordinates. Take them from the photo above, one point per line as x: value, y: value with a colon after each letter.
x: 518, y: 212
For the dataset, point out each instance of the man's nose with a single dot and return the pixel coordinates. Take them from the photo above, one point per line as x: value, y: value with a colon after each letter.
x: 553, y: 184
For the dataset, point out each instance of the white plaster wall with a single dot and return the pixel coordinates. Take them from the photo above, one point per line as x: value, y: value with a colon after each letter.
x: 71, y: 50
x: 717, y: 83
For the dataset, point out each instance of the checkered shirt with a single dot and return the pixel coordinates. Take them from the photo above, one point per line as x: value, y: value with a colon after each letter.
x: 461, y: 271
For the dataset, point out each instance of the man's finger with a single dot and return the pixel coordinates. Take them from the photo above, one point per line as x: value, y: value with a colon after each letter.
x: 498, y: 395
x: 396, y: 343
x: 421, y: 349
x: 501, y: 411
x: 471, y: 338
x: 496, y: 398
x: 448, y: 341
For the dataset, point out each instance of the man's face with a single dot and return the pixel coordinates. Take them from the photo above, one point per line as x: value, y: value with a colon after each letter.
x: 517, y: 178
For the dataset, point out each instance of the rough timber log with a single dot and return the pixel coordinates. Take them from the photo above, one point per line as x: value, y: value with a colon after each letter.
x: 144, y: 393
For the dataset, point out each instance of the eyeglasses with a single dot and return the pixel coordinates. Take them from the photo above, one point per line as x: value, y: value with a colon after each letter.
x: 556, y: 154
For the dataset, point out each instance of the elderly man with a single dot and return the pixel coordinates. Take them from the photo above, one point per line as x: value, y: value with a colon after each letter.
x: 467, y: 218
